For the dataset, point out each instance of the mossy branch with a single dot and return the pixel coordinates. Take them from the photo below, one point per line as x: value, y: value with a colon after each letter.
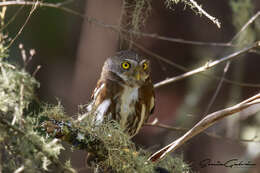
x: 37, y: 144
x: 112, y: 149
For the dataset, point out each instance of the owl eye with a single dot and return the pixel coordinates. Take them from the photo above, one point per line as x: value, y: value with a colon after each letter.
x: 126, y: 65
x: 145, y: 66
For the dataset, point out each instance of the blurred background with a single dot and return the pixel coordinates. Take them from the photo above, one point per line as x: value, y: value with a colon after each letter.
x: 71, y: 51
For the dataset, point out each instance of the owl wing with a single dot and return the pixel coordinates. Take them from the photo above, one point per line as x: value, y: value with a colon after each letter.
x: 97, y: 89
x: 148, y: 98
x: 152, y: 105
x: 104, y: 100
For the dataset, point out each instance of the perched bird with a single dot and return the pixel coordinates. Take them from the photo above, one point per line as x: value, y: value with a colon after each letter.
x: 124, y: 92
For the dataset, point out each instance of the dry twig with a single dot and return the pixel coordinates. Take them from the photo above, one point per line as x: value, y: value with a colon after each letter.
x: 250, y: 21
x: 208, y: 65
x: 117, y: 28
x: 206, y: 122
x: 180, y: 67
x: 209, y: 134
x: 213, y: 19
x: 22, y: 27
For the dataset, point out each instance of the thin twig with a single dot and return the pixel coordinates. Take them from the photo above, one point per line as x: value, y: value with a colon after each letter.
x: 21, y: 29
x: 213, y: 19
x: 207, y: 66
x: 206, y: 122
x: 250, y: 21
x: 113, y: 27
x: 36, y: 70
x: 12, y: 19
x: 212, y: 100
x: 180, y: 67
x: 177, y: 40
x: 183, y: 130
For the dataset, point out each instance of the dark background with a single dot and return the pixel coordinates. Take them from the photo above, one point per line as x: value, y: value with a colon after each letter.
x: 71, y: 52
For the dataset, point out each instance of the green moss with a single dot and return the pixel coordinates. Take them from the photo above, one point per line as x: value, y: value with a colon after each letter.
x: 135, y: 13
x: 17, y: 89
x: 122, y: 154
x: 174, y: 164
x: 20, y: 144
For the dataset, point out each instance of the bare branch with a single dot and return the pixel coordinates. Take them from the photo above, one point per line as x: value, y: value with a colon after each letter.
x: 177, y: 40
x: 208, y: 65
x: 206, y: 122
x: 251, y: 20
x: 213, y: 19
x: 12, y: 19
x: 119, y: 29
x: 212, y: 100
x: 180, y: 67
x: 183, y: 130
x: 113, y: 27
x: 26, y: 21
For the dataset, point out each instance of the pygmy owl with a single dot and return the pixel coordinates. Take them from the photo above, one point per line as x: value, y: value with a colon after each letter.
x: 124, y: 92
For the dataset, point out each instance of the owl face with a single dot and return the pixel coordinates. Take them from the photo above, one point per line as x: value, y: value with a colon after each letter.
x: 129, y: 66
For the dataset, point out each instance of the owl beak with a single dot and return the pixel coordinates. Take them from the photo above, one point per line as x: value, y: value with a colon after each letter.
x: 137, y: 76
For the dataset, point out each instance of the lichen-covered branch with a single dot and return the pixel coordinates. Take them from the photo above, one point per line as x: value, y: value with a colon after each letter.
x: 110, y: 148
x: 79, y: 138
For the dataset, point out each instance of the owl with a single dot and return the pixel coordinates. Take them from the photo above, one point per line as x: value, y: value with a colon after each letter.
x: 124, y: 92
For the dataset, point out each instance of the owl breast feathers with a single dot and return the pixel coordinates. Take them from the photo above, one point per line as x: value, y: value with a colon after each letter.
x: 124, y: 92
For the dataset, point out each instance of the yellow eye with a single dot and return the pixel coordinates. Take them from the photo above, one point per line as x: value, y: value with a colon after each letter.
x: 126, y: 65
x: 145, y: 66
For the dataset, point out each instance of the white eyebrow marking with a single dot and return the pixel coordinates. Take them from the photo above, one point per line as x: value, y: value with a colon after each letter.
x: 143, y: 61
x: 132, y: 61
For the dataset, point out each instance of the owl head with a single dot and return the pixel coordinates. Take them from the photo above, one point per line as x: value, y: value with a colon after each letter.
x: 129, y: 66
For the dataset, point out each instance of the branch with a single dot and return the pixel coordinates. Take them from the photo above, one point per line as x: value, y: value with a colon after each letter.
x: 212, y: 135
x: 180, y: 67
x: 251, y: 20
x: 208, y: 65
x: 108, y: 147
x: 112, y: 27
x: 11, y: 19
x: 75, y: 136
x: 42, y: 4
x: 26, y: 21
x: 177, y: 40
x: 36, y: 145
x: 206, y: 122
x: 60, y: 6
x: 213, y: 19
